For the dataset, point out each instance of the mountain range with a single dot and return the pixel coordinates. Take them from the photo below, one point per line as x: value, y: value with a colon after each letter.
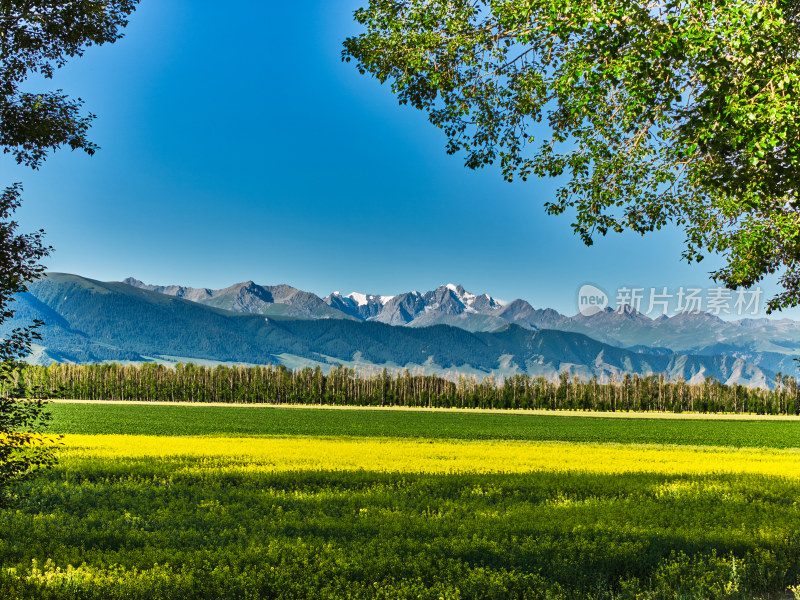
x: 769, y: 343
x: 447, y: 331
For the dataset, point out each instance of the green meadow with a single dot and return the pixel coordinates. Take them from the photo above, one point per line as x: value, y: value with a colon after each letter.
x: 150, y: 502
x: 143, y: 419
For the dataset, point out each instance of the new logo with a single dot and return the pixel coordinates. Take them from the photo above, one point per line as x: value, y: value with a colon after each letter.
x: 591, y: 300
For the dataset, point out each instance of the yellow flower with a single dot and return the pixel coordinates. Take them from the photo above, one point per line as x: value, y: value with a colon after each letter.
x: 437, y: 456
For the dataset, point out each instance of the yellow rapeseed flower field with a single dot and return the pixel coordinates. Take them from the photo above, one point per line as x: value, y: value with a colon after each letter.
x: 438, y: 456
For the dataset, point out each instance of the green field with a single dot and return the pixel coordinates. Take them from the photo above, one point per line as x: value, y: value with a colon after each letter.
x: 240, y: 514
x: 246, y: 420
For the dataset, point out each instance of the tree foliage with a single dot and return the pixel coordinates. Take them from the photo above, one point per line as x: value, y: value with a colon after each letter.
x: 36, y: 38
x: 650, y: 113
x: 22, y: 448
x: 346, y: 386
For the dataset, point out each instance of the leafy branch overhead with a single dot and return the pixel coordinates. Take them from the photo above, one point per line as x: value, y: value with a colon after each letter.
x: 649, y: 113
x: 36, y: 38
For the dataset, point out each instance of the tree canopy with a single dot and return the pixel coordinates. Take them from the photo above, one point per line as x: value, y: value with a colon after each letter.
x: 36, y: 38
x: 650, y: 113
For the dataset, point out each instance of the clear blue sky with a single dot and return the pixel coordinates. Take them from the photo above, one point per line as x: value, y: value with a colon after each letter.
x: 236, y: 145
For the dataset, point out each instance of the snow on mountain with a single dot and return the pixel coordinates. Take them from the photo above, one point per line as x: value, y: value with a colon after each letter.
x: 365, y: 299
x: 447, y: 300
x: 360, y: 299
x: 473, y: 303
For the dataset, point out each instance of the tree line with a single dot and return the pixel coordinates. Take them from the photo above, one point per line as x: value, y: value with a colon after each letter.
x: 348, y: 386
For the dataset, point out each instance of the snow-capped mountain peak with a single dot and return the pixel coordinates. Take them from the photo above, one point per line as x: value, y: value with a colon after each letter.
x: 448, y: 300
x: 360, y: 299
x: 365, y: 299
x: 473, y: 302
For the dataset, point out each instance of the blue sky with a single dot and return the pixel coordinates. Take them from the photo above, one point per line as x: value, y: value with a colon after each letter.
x: 236, y: 145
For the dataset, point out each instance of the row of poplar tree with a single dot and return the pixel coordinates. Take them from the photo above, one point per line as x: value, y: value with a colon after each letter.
x: 347, y: 386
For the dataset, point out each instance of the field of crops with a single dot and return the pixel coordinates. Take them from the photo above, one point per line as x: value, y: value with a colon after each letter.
x: 177, y: 502
x: 146, y: 419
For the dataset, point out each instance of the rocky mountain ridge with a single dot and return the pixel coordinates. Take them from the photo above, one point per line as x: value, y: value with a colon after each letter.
x: 93, y: 321
x: 769, y: 343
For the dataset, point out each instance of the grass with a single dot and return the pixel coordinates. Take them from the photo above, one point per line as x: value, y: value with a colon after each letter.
x: 180, y: 503
x: 249, y: 421
x: 248, y: 518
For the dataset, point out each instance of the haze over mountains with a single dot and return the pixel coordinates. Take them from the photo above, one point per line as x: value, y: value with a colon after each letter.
x: 446, y: 330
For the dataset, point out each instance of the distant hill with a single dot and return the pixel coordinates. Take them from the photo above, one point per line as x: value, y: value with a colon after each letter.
x: 89, y: 321
x: 249, y: 297
x: 769, y: 343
